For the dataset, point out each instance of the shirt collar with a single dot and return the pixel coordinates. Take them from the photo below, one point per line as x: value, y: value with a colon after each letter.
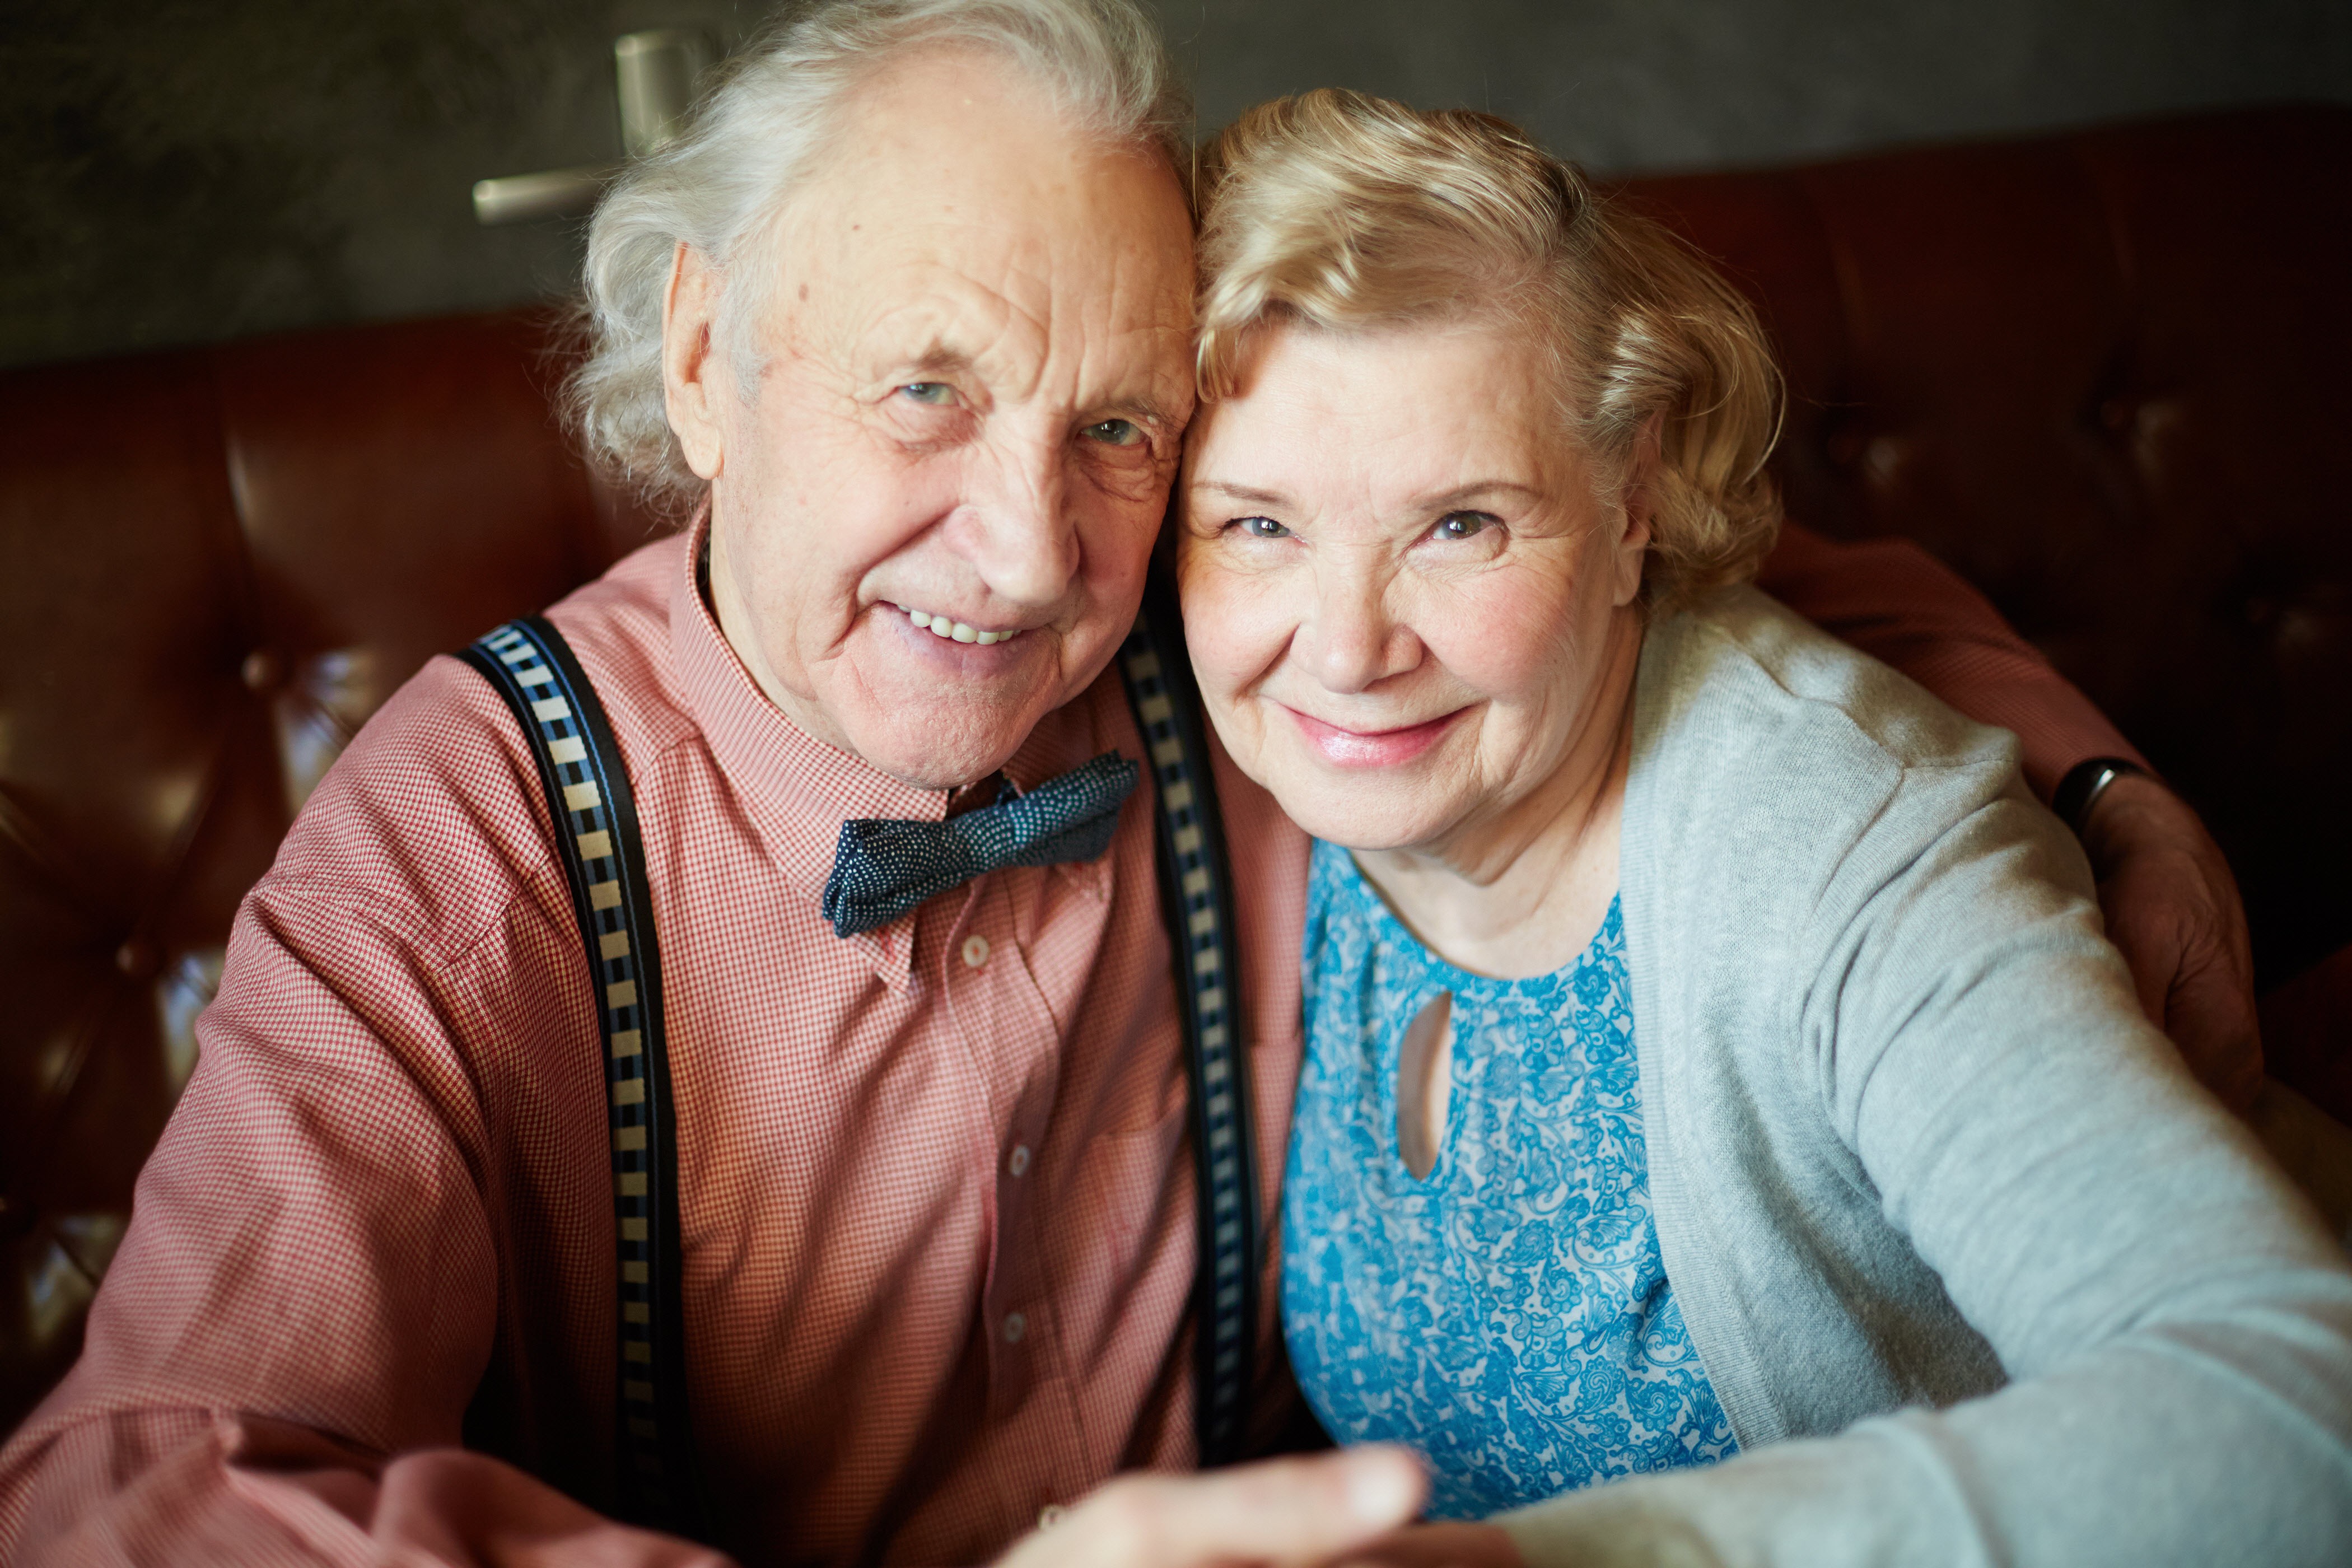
x: 797, y: 790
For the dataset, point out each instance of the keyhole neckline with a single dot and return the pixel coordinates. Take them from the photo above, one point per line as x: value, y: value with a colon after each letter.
x: 1423, y: 1091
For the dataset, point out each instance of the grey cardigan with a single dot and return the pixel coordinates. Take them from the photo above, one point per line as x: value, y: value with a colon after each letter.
x: 1979, y: 1274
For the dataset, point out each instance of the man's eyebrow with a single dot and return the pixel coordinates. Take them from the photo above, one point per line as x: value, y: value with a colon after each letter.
x: 944, y: 359
x: 938, y: 357
x: 1147, y: 410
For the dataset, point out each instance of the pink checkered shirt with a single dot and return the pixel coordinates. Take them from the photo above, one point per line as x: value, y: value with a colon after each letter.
x: 934, y: 1188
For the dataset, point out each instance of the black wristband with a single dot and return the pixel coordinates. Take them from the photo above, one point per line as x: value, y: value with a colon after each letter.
x: 2084, y: 783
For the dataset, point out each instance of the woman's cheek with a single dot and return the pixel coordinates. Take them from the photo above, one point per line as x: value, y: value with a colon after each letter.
x: 1218, y: 625
x: 1501, y: 638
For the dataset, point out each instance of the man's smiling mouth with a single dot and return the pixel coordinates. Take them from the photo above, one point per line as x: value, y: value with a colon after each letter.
x: 955, y: 630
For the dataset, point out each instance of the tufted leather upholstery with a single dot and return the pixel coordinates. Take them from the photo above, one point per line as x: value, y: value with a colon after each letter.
x: 217, y: 565
x: 2103, y: 375
x: 2100, y: 373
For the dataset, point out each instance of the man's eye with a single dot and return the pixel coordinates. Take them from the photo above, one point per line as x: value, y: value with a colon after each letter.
x: 1115, y: 433
x: 931, y: 392
x: 1262, y: 528
x: 1461, y: 525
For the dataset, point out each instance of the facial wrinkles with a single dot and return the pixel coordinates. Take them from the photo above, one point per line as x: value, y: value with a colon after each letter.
x: 1051, y: 316
x: 969, y: 239
x: 1387, y: 605
x: 1019, y: 363
x: 1529, y: 732
x: 1520, y: 638
x: 995, y: 334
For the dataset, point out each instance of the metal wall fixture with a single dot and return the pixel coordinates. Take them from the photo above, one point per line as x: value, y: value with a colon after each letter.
x: 655, y: 73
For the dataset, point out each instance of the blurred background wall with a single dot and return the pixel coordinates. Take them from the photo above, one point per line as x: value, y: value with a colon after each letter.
x: 186, y: 171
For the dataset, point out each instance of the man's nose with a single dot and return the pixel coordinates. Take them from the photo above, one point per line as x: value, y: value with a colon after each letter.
x: 1014, y: 526
x: 1350, y: 640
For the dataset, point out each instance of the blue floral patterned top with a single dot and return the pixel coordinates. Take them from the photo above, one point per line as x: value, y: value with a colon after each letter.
x: 1508, y: 1316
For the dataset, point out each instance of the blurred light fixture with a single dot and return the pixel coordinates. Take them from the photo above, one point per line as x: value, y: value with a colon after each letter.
x: 655, y: 73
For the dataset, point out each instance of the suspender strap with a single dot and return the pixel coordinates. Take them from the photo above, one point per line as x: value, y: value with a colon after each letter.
x: 594, y: 812
x: 1196, y: 898
x: 527, y: 663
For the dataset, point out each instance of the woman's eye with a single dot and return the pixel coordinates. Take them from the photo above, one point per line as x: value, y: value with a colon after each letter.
x: 1262, y: 528
x: 1115, y: 433
x: 1461, y: 525
x: 934, y: 392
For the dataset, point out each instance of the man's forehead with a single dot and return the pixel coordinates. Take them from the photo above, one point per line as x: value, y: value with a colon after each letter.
x: 949, y: 135
x: 966, y: 217
x: 965, y: 134
x: 978, y: 271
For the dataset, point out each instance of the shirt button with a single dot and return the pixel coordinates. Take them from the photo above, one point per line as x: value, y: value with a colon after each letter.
x: 1018, y: 1160
x: 1015, y: 1325
x: 975, y: 951
x: 1050, y: 1515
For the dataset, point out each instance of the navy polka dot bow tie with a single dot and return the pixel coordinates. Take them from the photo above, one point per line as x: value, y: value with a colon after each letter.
x: 886, y: 866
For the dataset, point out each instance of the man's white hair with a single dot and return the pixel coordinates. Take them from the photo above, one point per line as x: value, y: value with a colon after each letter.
x: 750, y: 140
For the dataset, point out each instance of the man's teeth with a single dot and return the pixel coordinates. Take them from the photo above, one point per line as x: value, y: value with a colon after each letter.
x: 955, y: 631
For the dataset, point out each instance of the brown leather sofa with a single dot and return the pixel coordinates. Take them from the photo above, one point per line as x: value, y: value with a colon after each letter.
x: 2108, y: 376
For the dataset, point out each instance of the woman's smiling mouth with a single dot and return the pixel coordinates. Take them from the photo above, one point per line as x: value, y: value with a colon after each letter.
x: 1371, y: 748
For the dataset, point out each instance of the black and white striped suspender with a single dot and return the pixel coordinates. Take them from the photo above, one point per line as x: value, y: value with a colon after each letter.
x: 588, y: 795
x: 529, y: 664
x: 1196, y: 900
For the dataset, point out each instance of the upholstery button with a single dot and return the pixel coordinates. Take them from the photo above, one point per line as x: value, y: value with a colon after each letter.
x: 975, y: 951
x: 1015, y: 1327
x: 137, y: 958
x: 1018, y: 1160
x: 261, y: 670
x: 1050, y: 1515
x: 1885, y: 458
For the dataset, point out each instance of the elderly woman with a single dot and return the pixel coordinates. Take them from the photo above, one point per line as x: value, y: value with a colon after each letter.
x: 1711, y: 1045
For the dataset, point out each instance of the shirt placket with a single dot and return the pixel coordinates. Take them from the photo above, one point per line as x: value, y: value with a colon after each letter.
x: 1010, y: 1030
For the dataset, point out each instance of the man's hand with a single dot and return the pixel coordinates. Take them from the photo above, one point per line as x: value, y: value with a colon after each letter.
x: 1440, y: 1546
x: 2172, y: 907
x: 1282, y: 1514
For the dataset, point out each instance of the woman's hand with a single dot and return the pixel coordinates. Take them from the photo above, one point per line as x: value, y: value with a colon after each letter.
x: 1282, y: 1514
x: 2172, y: 908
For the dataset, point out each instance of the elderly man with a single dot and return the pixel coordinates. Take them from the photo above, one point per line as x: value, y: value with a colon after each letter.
x: 911, y: 307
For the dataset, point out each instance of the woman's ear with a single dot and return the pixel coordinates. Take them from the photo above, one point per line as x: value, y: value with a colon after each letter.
x: 694, y: 369
x: 1638, y: 507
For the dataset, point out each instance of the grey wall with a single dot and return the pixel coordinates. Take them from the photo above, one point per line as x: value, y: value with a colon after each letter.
x: 178, y: 171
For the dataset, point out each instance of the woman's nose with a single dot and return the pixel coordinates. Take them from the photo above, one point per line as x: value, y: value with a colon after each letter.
x: 1351, y: 642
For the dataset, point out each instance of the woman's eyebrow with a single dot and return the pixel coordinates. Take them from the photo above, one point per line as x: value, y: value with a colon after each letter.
x: 1244, y: 493
x: 1461, y: 494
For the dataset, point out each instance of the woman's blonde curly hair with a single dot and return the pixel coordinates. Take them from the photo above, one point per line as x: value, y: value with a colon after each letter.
x: 1345, y: 212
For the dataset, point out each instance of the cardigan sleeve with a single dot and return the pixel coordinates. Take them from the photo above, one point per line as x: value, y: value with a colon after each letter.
x: 2175, y: 1322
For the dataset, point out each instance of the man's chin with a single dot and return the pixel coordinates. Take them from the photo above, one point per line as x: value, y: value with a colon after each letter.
x: 947, y: 728
x: 945, y: 755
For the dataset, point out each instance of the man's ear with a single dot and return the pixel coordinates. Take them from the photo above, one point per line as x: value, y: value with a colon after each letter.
x: 694, y: 368
x: 1639, y: 494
